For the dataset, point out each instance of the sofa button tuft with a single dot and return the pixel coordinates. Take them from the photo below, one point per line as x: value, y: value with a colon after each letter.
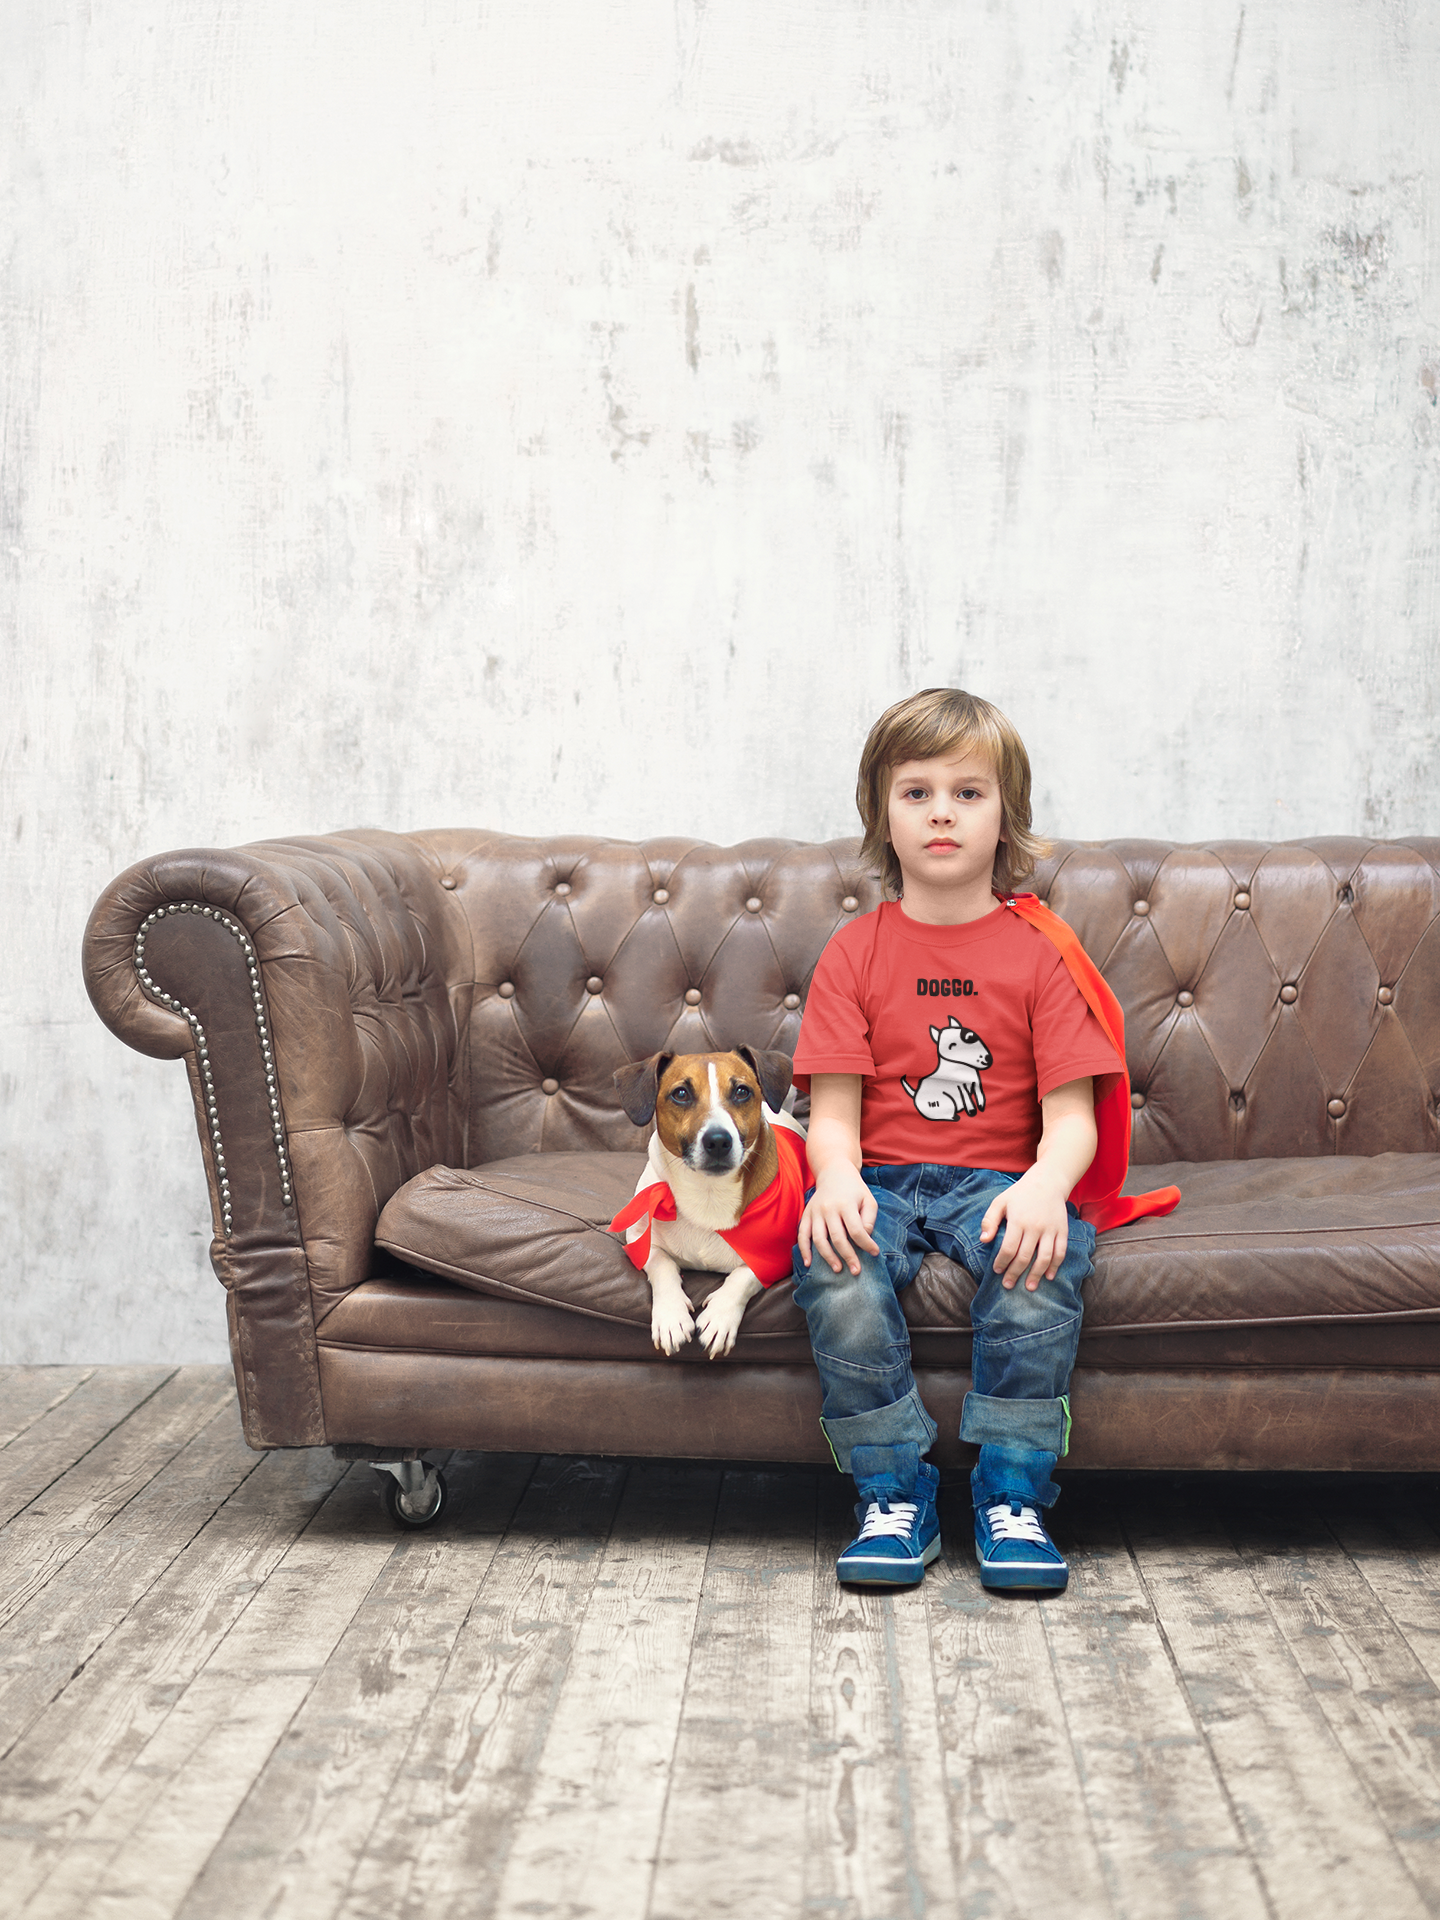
x: 692, y: 996
x: 1185, y: 998
x: 1385, y: 996
x: 792, y: 1001
x: 849, y: 903
x: 449, y: 883
x: 507, y: 989
x: 562, y: 888
x: 752, y: 905
x: 661, y: 896
x: 1137, y: 1100
x: 549, y: 1086
x: 1289, y: 993
x: 594, y: 983
x: 1142, y: 907
x: 1242, y: 900
x: 1335, y: 1109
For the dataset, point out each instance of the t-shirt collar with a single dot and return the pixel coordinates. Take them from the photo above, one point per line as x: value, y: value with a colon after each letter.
x: 966, y: 934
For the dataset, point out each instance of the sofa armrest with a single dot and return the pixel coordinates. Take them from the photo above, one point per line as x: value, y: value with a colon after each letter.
x: 318, y: 992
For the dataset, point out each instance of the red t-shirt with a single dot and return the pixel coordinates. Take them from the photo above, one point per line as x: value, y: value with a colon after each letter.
x: 959, y: 1033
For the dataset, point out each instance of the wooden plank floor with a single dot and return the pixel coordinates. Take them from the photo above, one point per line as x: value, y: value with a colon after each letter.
x: 228, y: 1687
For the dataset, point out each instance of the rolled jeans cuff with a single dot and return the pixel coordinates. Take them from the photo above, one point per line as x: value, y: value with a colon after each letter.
x: 1038, y: 1424
x: 903, y: 1420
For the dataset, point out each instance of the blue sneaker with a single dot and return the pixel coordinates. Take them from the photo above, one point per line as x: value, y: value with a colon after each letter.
x: 899, y: 1532
x: 1015, y: 1552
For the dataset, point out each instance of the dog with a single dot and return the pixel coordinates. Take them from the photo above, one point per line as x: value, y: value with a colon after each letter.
x: 955, y: 1082
x: 724, y: 1187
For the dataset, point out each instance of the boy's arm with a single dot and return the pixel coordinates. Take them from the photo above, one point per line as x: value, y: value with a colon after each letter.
x: 1037, y: 1227
x: 842, y: 1208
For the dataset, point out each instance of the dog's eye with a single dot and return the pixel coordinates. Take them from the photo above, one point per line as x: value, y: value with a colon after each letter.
x: 682, y: 1096
x: 740, y: 1094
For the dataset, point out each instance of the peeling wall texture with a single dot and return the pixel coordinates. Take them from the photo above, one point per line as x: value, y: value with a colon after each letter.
x: 588, y: 414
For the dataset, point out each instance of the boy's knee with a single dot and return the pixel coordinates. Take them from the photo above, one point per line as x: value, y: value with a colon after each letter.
x: 1001, y: 1312
x: 820, y: 1277
x: 1050, y: 1304
x: 844, y: 1295
x: 855, y: 1314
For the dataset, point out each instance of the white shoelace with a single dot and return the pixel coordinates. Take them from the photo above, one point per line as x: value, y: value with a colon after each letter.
x: 1005, y: 1524
x: 880, y: 1525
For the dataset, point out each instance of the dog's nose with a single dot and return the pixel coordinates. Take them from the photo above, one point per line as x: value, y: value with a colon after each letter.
x: 716, y: 1143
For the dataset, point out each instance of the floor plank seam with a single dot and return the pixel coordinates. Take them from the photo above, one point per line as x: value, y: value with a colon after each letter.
x: 1202, y: 1731
x: 956, y: 1875
x: 95, y: 1445
x: 42, y: 1413
x: 220, y: 1413
x: 1336, y: 1746
x: 284, y: 1730
x: 245, y: 1464
x: 905, y: 1799
x: 549, y: 1702
x: 1356, y: 1773
x: 160, y: 1573
x: 417, y: 1730
x: 684, y: 1692
x: 550, y: 1481
x: 1101, y: 1854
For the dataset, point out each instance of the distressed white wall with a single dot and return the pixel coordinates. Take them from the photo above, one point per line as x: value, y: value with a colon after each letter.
x: 448, y: 413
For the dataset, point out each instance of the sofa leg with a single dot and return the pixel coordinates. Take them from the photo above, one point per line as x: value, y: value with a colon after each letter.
x: 415, y: 1494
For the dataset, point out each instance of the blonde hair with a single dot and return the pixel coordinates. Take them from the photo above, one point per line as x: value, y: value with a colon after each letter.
x: 941, y: 723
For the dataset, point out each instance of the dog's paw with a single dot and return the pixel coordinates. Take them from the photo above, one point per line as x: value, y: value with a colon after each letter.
x: 718, y: 1324
x: 671, y: 1327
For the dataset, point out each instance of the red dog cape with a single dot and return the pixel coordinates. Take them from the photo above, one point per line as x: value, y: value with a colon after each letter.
x: 1097, y: 1193
x: 764, y: 1234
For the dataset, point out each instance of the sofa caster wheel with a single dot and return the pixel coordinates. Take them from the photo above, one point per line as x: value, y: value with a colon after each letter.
x: 415, y: 1495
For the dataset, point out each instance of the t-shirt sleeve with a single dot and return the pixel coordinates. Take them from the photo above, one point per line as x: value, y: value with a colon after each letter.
x: 1069, y: 1041
x: 834, y: 1033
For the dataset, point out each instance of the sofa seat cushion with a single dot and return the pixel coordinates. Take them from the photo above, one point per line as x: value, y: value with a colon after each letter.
x: 1252, y: 1243
x: 533, y: 1229
x: 1334, y: 1238
x: 404, y: 1311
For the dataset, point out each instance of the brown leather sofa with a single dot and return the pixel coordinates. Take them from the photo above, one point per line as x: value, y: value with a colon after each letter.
x: 356, y: 1010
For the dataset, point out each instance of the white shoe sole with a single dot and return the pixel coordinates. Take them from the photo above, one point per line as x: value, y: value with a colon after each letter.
x: 887, y: 1571
x: 1023, y: 1576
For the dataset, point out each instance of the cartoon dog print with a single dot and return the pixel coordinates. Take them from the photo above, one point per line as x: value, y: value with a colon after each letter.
x: 954, y: 1087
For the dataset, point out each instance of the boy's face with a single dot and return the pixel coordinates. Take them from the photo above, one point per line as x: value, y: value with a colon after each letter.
x: 944, y: 820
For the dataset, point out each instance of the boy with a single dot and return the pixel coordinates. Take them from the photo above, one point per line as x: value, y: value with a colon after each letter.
x: 951, y: 1059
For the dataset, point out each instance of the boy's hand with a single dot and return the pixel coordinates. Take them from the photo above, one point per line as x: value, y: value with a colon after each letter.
x: 1037, y: 1229
x: 838, y: 1219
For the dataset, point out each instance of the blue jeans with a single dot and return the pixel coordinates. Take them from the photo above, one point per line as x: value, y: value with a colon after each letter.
x: 1018, y: 1410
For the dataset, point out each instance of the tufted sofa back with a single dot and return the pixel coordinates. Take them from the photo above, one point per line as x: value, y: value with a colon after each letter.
x: 1280, y: 999
x: 589, y: 953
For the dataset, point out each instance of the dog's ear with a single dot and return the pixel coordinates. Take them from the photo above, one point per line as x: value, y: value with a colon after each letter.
x: 639, y: 1084
x: 772, y: 1070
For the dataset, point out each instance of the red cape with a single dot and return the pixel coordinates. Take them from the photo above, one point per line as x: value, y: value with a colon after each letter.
x: 1097, y: 1193
x: 763, y: 1236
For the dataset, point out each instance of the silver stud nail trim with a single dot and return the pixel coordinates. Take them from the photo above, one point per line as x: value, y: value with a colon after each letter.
x: 202, y: 1049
